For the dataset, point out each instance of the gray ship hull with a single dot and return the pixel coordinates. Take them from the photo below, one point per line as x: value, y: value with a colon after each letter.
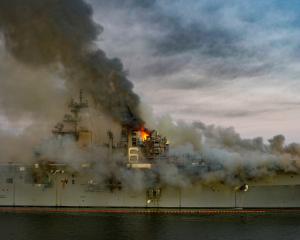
x: 65, y: 190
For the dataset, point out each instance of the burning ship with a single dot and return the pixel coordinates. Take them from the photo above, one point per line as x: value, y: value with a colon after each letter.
x: 134, y: 168
x: 140, y: 151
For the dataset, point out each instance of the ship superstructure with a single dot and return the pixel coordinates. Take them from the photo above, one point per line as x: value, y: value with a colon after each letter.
x: 48, y: 182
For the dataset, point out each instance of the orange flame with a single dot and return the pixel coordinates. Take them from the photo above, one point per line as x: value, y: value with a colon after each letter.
x: 144, y: 134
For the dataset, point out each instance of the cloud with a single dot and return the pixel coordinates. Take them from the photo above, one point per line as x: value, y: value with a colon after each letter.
x: 182, y: 53
x: 225, y: 40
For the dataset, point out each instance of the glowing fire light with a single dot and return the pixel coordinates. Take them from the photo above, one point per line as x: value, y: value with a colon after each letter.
x: 144, y: 134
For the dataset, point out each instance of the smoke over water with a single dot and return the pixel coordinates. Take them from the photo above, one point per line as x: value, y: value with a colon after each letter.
x: 48, y: 49
x: 215, y: 155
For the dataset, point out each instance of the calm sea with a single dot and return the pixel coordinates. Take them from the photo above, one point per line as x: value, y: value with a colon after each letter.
x: 61, y: 226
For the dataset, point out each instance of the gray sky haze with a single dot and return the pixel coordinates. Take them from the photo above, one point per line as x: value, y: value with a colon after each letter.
x: 231, y: 63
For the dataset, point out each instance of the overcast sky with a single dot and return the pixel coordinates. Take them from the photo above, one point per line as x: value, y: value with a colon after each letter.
x: 230, y: 63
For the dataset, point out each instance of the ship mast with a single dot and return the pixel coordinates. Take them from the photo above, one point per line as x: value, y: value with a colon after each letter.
x: 70, y: 122
x: 75, y: 108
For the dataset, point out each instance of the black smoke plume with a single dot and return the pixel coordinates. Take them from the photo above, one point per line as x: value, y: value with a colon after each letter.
x: 62, y: 34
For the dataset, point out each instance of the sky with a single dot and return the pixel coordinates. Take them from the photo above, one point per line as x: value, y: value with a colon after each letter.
x: 229, y: 63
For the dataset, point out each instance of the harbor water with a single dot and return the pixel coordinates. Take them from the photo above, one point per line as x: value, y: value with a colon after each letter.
x: 88, y: 226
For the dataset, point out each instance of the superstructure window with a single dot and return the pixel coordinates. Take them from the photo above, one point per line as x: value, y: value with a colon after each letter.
x: 133, y: 151
x: 133, y: 159
x: 9, y: 180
